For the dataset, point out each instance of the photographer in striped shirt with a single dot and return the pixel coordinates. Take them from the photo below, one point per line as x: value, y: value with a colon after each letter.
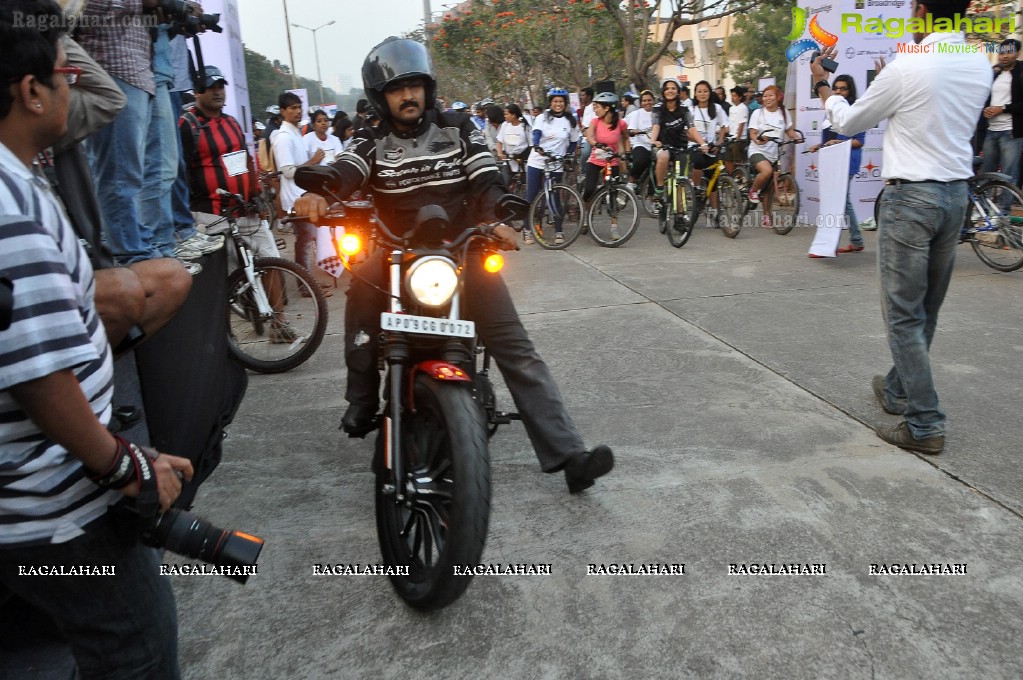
x: 60, y: 469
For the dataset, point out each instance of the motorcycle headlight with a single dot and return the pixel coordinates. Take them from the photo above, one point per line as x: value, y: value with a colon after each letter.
x: 432, y: 281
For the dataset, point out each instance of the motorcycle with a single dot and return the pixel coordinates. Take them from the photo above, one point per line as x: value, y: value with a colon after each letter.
x: 431, y: 462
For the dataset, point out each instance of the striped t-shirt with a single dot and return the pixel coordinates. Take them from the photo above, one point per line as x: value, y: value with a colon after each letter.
x: 44, y: 497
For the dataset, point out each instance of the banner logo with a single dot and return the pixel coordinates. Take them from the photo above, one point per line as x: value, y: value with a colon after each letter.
x: 821, y: 37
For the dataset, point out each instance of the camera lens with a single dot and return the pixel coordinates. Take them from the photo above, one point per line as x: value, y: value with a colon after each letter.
x: 190, y: 536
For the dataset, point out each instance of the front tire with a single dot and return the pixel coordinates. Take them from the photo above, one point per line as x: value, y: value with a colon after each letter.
x: 683, y: 214
x: 729, y: 206
x: 256, y: 341
x: 785, y: 204
x: 564, y: 210
x: 443, y: 523
x: 617, y: 207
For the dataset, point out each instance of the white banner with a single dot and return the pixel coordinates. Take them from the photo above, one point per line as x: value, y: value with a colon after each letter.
x: 834, y: 174
x: 857, y: 51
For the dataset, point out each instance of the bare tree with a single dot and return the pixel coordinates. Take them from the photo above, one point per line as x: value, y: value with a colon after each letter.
x: 638, y: 18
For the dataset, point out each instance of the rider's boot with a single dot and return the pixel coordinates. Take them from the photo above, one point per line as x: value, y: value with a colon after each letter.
x: 582, y: 468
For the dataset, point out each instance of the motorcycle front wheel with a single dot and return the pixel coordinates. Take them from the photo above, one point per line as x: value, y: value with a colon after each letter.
x: 442, y: 523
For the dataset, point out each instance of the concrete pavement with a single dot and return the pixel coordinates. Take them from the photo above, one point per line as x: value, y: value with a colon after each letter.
x: 732, y: 380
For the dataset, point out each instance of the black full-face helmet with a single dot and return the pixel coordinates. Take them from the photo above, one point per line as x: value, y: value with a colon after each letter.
x: 392, y: 60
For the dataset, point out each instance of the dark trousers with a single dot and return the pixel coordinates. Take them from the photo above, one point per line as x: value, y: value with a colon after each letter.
x: 640, y: 162
x: 121, y: 627
x: 591, y: 178
x: 487, y: 302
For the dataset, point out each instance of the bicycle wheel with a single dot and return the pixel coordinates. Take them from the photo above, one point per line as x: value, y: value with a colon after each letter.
x: 785, y: 204
x: 613, y: 216
x: 729, y: 206
x: 683, y: 214
x: 559, y: 212
x: 995, y: 225
x: 740, y: 175
x: 291, y: 332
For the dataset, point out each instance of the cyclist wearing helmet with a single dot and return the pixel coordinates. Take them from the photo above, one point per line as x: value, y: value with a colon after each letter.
x: 673, y: 126
x: 610, y: 130
x: 422, y: 157
x: 556, y: 133
x: 460, y: 107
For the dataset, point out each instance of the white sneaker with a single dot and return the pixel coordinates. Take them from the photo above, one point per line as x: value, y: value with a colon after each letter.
x: 631, y: 185
x: 559, y: 237
x: 868, y: 224
x: 712, y: 217
x: 193, y: 268
x: 198, y: 245
x: 614, y: 232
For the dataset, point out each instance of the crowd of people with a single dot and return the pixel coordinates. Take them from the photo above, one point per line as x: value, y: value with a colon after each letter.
x: 104, y: 242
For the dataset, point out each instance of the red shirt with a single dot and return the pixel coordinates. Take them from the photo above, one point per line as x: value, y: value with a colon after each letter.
x: 205, y: 146
x: 609, y: 137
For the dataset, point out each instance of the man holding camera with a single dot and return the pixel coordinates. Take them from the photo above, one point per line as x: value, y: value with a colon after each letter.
x: 60, y: 469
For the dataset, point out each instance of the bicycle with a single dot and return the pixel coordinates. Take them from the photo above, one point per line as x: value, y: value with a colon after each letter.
x: 277, y: 315
x: 677, y: 212
x: 555, y: 214
x: 723, y: 190
x: 646, y: 184
x: 782, y: 198
x: 613, y: 215
x: 994, y: 233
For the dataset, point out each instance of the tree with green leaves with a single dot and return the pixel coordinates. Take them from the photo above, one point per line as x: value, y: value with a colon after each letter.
x: 268, y: 80
x: 758, y: 44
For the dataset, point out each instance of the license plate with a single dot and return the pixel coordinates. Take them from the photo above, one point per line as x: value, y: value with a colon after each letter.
x: 406, y: 323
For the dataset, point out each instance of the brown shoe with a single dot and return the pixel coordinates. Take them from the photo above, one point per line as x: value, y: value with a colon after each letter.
x: 904, y: 439
x: 877, y: 382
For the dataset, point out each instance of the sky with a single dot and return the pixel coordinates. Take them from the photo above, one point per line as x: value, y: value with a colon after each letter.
x: 361, y: 24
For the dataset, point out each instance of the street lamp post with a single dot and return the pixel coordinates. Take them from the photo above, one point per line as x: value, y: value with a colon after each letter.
x: 291, y: 55
x: 316, y: 49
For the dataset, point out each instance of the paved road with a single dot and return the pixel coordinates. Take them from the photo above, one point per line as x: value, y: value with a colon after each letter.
x: 732, y: 380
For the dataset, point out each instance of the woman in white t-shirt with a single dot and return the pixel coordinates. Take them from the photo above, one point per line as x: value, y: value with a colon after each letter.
x: 319, y: 138
x: 771, y: 121
x: 710, y: 122
x: 557, y: 133
x: 640, y: 123
x: 513, y: 137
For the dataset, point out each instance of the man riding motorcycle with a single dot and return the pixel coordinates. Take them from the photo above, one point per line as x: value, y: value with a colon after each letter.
x: 422, y: 157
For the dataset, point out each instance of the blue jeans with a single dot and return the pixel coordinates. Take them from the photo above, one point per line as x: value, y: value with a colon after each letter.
x: 918, y: 234
x: 1002, y: 150
x: 855, y: 235
x: 161, y: 169
x: 184, y: 223
x: 305, y: 238
x: 123, y: 626
x: 118, y: 153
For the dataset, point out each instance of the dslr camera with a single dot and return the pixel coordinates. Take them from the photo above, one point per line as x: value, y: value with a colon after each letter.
x: 184, y: 22
x: 183, y: 533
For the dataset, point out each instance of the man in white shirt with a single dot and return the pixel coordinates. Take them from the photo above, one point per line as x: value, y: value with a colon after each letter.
x: 1004, y: 115
x: 290, y: 153
x: 931, y: 99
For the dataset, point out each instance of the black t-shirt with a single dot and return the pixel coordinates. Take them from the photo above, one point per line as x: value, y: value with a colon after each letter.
x: 674, y: 125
